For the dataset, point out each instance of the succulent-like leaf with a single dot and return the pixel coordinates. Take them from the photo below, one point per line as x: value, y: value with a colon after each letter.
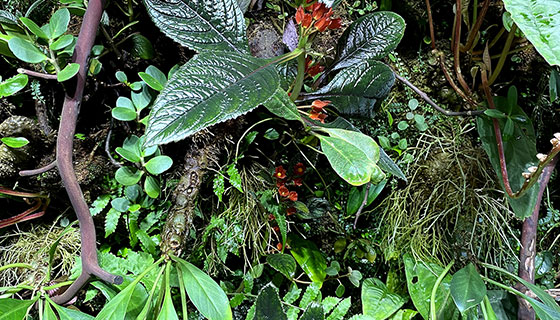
x: 540, y: 22
x: 201, y: 25
x: 212, y: 87
x: 370, y: 37
x: 354, y: 90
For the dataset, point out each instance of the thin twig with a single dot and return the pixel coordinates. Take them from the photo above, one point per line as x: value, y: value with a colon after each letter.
x: 425, y: 97
x: 37, y: 74
x: 364, y: 202
x: 27, y: 173
x: 456, y: 53
x: 108, y: 146
x: 473, y: 32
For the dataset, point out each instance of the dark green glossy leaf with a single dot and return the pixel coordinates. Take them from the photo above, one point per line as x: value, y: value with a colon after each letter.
x: 540, y: 22
x: 15, y: 142
x: 12, y: 85
x: 200, y: 25
x: 519, y: 152
x: 283, y: 263
x: 34, y: 28
x: 212, y: 87
x: 370, y: 37
x: 142, y: 47
x: 467, y: 288
x: 268, y: 305
x: 111, y: 221
x: 495, y: 113
x: 151, y: 185
x: 421, y: 278
x: 58, y: 24
x: 355, y: 89
x: 207, y: 296
x: 26, y: 51
x: 62, y: 42
x: 68, y: 72
x: 388, y: 165
x: 128, y: 175
x: 158, y: 165
x: 309, y: 258
x: 377, y: 301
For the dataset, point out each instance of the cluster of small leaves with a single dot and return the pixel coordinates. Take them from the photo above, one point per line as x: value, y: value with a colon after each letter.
x: 49, y: 45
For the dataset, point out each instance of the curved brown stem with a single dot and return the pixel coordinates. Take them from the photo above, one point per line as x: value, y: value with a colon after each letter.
x: 472, y: 33
x: 64, y: 148
x: 26, y: 173
x: 456, y: 53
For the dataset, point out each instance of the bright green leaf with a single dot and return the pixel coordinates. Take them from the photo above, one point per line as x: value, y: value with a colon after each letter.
x: 62, y: 42
x: 151, y: 186
x: 151, y: 81
x: 309, y: 258
x: 58, y: 24
x: 15, y: 142
x: 68, y: 72
x: 12, y: 85
x: 34, y: 28
x: 26, y: 51
x: 14, y: 309
x: 158, y: 165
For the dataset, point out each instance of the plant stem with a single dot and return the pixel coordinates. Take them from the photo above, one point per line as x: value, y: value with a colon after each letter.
x: 504, y: 55
x: 434, y: 290
x: 479, y: 19
x: 456, y: 52
x: 300, y: 76
x: 16, y: 265
x: 64, y: 157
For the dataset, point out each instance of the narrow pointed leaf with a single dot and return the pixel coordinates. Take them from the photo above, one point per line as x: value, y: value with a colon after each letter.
x: 207, y: 296
x: 370, y: 37
x: 201, y: 25
x: 210, y: 88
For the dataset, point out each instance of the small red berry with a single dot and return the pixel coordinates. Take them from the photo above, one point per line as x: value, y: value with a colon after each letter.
x: 279, y: 246
x: 276, y: 229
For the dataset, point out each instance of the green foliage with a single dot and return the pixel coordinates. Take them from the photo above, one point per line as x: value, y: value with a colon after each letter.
x: 15, y: 142
x: 11, y: 86
x: 309, y: 258
x: 540, y: 24
x: 467, y: 288
x: 196, y: 26
x: 282, y: 263
x: 183, y: 109
x: 370, y: 37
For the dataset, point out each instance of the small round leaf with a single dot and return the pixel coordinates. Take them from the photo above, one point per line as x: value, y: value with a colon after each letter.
x: 68, y: 72
x: 158, y: 164
x: 26, y: 51
x: 151, y: 186
x: 128, y: 176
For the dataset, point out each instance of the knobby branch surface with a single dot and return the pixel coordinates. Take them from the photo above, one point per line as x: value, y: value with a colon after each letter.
x: 64, y: 159
x: 528, y: 250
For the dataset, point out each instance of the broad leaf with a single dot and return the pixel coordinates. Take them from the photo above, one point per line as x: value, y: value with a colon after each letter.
x: 58, y: 24
x: 62, y: 42
x: 212, y: 87
x: 201, y: 25
x: 26, y: 51
x: 467, y: 288
x: 370, y: 37
x: 68, y: 72
x: 159, y: 164
x: 309, y: 258
x: 14, y: 309
x: 355, y: 89
x: 540, y: 22
x: 420, y: 279
x: 283, y: 263
x: 34, y: 28
x: 207, y: 296
x: 128, y: 175
x: 12, y: 85
x: 268, y: 305
x: 352, y: 155
x: 377, y: 301
x: 71, y: 314
x: 519, y: 152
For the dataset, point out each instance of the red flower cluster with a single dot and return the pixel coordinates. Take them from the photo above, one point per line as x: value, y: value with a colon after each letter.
x: 282, y: 180
x: 314, y: 69
x: 319, y: 17
x: 317, y: 112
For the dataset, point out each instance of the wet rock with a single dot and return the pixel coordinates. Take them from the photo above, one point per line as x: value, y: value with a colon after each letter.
x: 265, y: 41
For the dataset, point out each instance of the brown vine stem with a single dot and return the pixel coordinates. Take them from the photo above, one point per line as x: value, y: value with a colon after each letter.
x: 528, y: 250
x: 456, y: 45
x: 473, y: 32
x: 425, y: 97
x: 64, y: 148
x: 37, y: 74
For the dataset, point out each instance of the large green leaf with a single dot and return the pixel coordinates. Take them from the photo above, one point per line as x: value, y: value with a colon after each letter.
x: 421, y: 278
x: 467, y: 288
x: 201, y: 25
x: 520, y: 152
x: 268, y: 305
x: 352, y: 155
x: 12, y: 85
x: 282, y: 263
x: 355, y: 89
x: 70, y: 314
x: 26, y: 51
x: 377, y: 301
x: 14, y: 309
x: 540, y: 22
x: 212, y: 87
x: 309, y: 258
x: 207, y: 296
x: 370, y: 37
